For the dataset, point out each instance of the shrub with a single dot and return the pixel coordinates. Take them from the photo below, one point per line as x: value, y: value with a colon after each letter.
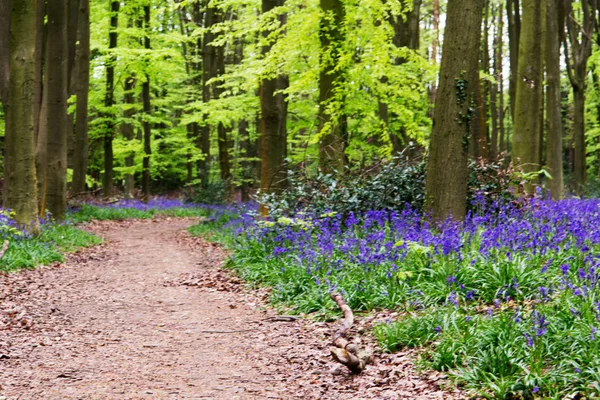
x: 391, y: 185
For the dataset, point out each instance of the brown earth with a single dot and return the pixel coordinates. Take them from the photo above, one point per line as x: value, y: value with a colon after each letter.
x: 150, y: 315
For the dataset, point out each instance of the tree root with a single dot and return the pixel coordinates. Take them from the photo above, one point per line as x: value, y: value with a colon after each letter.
x: 345, y: 352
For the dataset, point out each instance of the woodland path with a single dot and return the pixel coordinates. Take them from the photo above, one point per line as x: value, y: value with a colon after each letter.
x: 149, y: 315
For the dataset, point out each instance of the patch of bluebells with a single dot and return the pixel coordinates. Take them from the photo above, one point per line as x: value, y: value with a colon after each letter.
x: 534, y: 264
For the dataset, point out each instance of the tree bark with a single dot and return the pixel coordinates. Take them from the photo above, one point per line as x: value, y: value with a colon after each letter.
x: 434, y: 45
x: 20, y: 193
x: 5, y: 21
x: 82, y: 62
x: 147, y: 111
x: 273, y: 123
x: 446, y: 181
x: 514, y: 38
x: 55, y: 181
x: 223, y: 131
x: 209, y: 71
x: 579, y: 45
x: 529, y: 90
x: 406, y: 34
x: 331, y: 144
x: 495, y: 93
x: 554, y: 143
x: 128, y: 131
x: 109, y: 100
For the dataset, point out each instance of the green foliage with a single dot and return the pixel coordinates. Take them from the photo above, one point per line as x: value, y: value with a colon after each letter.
x: 88, y: 212
x: 387, y: 186
x: 49, y: 247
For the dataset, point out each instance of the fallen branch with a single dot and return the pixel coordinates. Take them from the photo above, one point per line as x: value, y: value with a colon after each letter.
x: 4, y: 248
x: 238, y: 331
x: 345, y: 352
x: 282, y: 318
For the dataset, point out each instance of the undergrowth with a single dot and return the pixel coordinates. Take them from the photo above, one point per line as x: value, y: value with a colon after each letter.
x: 507, y: 303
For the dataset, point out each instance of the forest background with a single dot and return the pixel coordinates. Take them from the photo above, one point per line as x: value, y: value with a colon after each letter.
x: 223, y: 95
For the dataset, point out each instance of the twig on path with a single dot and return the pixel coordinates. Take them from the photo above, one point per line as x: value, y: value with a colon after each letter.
x: 344, y: 352
x: 282, y: 318
x: 4, y: 248
x: 241, y: 330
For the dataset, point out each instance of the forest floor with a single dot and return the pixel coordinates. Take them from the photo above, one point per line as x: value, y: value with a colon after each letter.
x: 150, y: 314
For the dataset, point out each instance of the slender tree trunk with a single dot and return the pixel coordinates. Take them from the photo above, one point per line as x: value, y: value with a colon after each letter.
x: 579, y: 43
x: 5, y: 20
x: 495, y: 93
x: 128, y: 131
x: 209, y: 72
x: 514, y: 38
x: 435, y: 45
x: 579, y: 159
x: 529, y: 94
x: 20, y: 193
x: 247, y: 176
x: 82, y: 62
x: 107, y: 184
x: 222, y: 130
x: 40, y: 52
x: 273, y: 123
x: 147, y: 111
x: 55, y: 181
x: 501, y: 108
x: 332, y: 33
x: 554, y: 143
x: 446, y: 181
x: 406, y: 34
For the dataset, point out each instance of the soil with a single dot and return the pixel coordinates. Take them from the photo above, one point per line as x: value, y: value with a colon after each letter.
x: 151, y: 314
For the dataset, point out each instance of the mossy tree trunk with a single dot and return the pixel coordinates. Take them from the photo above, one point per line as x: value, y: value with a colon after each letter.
x: 528, y: 102
x: 331, y: 77
x: 446, y: 181
x: 273, y: 123
x: 20, y: 193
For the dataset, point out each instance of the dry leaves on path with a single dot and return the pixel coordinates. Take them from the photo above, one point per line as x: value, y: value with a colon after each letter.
x: 151, y: 315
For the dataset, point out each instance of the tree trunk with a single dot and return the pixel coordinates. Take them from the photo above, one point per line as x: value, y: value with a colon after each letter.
x: 55, y: 181
x: 529, y: 90
x: 554, y: 155
x: 128, y: 131
x: 273, y: 123
x: 109, y: 100
x: 222, y: 130
x: 331, y: 144
x: 20, y: 193
x: 209, y: 72
x: 82, y: 62
x: 435, y: 45
x: 514, y: 38
x: 580, y: 40
x: 5, y: 19
x: 579, y: 156
x: 495, y: 93
x: 246, y: 164
x: 147, y: 112
x: 446, y: 182
x: 406, y: 34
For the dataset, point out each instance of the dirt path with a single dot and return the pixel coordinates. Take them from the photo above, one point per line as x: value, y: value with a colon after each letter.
x: 149, y: 315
